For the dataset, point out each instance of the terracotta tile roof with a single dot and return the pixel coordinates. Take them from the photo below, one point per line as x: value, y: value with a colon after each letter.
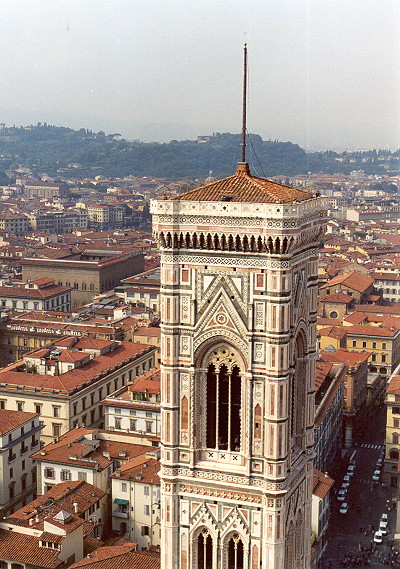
x: 75, y: 444
x: 70, y: 525
x: 393, y: 387
x: 355, y: 318
x: 243, y: 187
x: 322, y: 483
x: 10, y: 420
x: 149, y: 382
x: 328, y: 322
x: 144, y: 466
x: 61, y: 496
x: 386, y: 276
x: 150, y: 331
x: 121, y: 557
x: 349, y: 358
x: 365, y: 330
x: 47, y: 292
x: 322, y: 369
x: 339, y: 298
x: 22, y: 548
x: 390, y: 308
x: 72, y: 356
x: 356, y: 281
x: 70, y: 381
x: 337, y: 332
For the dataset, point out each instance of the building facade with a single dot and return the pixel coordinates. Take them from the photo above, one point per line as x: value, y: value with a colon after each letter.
x: 65, y: 381
x: 19, y: 437
x: 239, y: 307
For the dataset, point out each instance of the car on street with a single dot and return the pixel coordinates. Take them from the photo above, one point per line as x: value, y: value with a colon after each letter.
x: 383, y: 527
x: 378, y: 537
x: 342, y: 494
x: 345, y: 485
x: 376, y: 475
x: 379, y: 463
x: 384, y: 517
x: 347, y: 478
x: 351, y: 468
x: 344, y: 508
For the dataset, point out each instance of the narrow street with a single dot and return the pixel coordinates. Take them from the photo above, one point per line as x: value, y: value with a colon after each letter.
x: 352, y: 534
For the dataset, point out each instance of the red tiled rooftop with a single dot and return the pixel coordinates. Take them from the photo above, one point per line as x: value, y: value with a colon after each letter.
x: 354, y: 280
x: 322, y: 484
x: 322, y: 369
x: 243, y: 187
x: 393, y: 387
x: 73, y: 444
x: 71, y: 380
x: 10, y: 420
x: 339, y: 297
x: 346, y: 357
x: 26, y: 549
x: 120, y: 557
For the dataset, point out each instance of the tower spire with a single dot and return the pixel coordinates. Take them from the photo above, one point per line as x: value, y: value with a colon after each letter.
x: 244, y: 102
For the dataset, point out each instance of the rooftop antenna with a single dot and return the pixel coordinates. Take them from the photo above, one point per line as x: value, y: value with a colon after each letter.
x: 244, y: 102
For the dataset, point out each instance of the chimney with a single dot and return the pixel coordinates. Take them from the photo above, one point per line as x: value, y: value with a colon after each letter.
x: 31, y: 521
x: 75, y: 505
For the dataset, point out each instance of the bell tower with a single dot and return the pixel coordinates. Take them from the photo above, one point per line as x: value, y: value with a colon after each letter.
x: 239, y: 308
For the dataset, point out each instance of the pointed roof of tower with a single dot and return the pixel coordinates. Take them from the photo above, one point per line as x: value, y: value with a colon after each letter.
x: 243, y: 187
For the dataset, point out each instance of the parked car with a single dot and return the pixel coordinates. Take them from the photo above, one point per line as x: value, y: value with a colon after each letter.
x: 376, y: 475
x: 345, y: 485
x: 384, y: 517
x: 351, y: 468
x: 378, y: 537
x: 344, y: 508
x: 347, y: 478
x: 341, y: 496
x: 379, y: 463
x: 383, y: 527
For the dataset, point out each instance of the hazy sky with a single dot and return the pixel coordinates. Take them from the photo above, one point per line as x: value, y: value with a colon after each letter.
x: 322, y: 73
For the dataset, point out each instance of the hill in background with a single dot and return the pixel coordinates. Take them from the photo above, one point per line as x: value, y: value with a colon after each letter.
x: 64, y: 152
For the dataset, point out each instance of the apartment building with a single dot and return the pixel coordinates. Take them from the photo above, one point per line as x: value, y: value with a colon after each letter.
x: 58, y: 222
x: 27, y: 331
x: 136, y: 497
x: 105, y: 216
x: 87, y: 454
x: 89, y: 273
x: 382, y: 343
x: 354, y: 284
x: 322, y: 485
x: 392, y: 436
x: 14, y: 224
x: 135, y: 408
x: 55, y: 530
x: 19, y: 437
x: 39, y: 294
x: 143, y: 288
x: 328, y: 421
x: 355, y: 393
x: 65, y: 381
x: 388, y: 284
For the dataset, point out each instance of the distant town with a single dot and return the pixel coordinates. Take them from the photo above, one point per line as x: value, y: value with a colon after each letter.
x: 82, y: 309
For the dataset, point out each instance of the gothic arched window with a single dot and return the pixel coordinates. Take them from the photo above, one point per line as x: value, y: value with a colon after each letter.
x: 223, y: 400
x: 298, y: 392
x: 235, y: 553
x: 204, y: 550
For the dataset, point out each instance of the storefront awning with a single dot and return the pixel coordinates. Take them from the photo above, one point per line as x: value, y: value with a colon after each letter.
x: 120, y: 501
